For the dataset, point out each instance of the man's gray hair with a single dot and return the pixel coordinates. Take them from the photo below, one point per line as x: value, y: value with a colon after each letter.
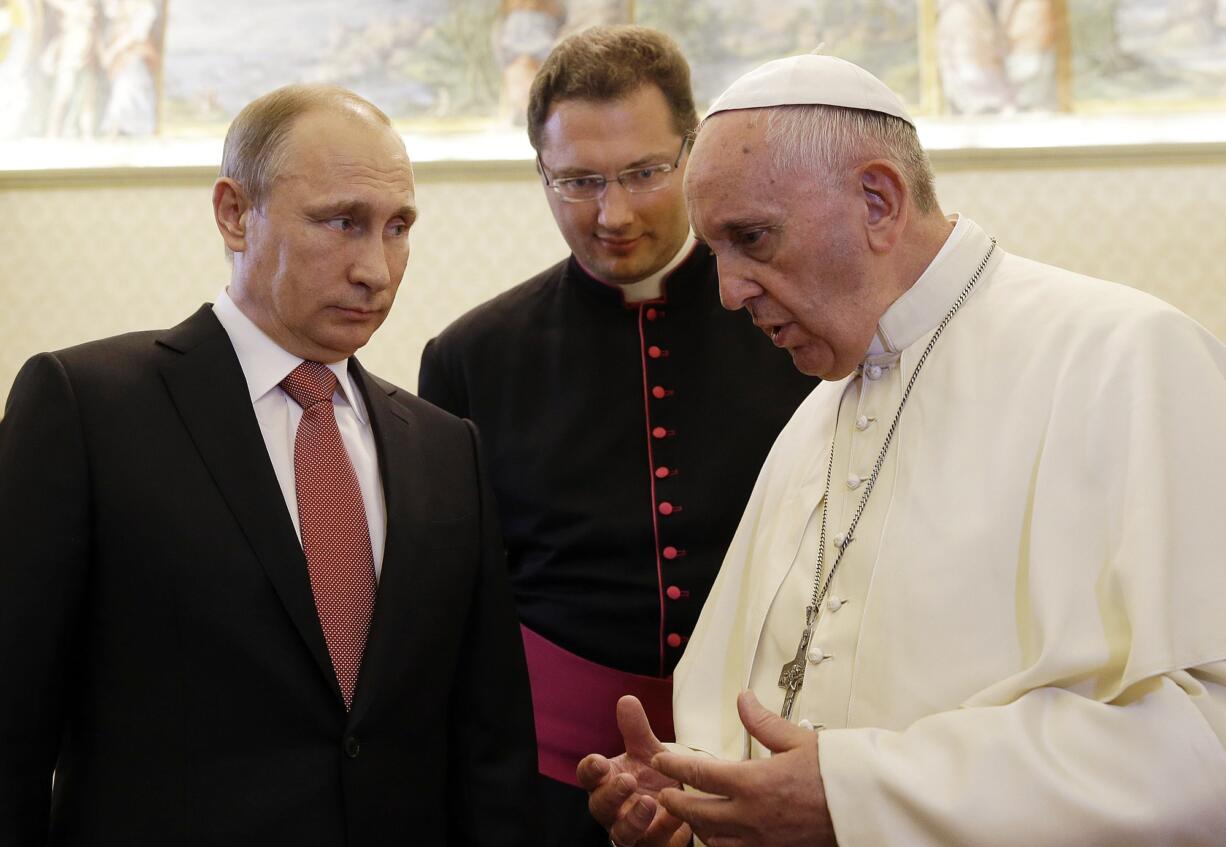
x: 819, y: 139
x: 255, y: 145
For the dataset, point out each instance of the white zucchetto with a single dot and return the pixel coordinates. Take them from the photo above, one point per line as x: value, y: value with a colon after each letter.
x: 810, y: 80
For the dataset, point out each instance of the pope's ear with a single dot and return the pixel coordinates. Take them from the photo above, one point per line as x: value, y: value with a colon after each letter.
x: 231, y: 211
x: 885, y: 202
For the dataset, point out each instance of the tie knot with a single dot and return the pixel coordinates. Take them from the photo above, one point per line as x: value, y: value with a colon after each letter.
x: 310, y: 383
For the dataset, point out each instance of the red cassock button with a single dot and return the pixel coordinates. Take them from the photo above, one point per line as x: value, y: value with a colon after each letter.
x: 654, y: 352
x: 666, y: 508
x: 658, y: 392
x: 674, y: 640
x: 673, y: 592
x: 652, y: 314
x: 670, y: 553
x: 659, y: 432
x: 661, y: 473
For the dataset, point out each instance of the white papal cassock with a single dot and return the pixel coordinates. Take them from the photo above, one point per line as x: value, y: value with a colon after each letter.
x: 1025, y: 642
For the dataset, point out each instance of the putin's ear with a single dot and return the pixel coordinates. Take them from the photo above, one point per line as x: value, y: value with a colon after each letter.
x: 231, y: 210
x: 885, y: 201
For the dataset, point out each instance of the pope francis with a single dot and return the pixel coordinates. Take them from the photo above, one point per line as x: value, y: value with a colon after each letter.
x: 976, y: 597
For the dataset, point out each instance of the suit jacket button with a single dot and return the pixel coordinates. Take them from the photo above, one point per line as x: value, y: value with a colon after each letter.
x: 352, y: 747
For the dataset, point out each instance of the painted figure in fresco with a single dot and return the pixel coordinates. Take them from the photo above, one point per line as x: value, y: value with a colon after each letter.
x: 998, y: 55
x: 523, y: 36
x: 130, y: 56
x: 18, y: 28
x: 70, y: 61
x: 526, y: 30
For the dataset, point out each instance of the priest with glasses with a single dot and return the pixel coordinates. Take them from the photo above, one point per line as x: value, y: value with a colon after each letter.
x: 623, y: 413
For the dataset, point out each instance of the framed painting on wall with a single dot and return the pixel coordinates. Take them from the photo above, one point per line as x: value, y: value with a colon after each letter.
x: 98, y: 83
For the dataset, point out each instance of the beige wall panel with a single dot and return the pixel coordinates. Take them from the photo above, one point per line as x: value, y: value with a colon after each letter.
x: 84, y: 259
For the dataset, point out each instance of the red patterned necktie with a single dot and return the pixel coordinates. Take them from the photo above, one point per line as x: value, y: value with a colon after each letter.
x: 335, y: 535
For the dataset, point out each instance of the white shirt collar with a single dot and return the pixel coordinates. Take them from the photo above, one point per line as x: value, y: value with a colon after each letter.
x: 265, y: 363
x: 650, y: 288
x: 921, y: 307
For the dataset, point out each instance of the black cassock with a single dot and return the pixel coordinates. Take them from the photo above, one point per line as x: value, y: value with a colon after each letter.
x: 622, y: 441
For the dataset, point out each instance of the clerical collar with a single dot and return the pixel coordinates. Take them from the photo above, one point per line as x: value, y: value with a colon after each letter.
x: 652, y: 287
x: 264, y: 362
x: 921, y: 307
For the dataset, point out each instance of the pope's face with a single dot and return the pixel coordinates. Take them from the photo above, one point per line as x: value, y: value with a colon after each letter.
x: 792, y: 248
x: 321, y: 262
x: 619, y: 237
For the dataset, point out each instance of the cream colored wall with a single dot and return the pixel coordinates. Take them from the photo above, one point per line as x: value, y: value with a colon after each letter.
x: 86, y: 257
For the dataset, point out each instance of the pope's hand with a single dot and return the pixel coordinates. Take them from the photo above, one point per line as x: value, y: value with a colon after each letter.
x: 775, y: 802
x: 622, y: 791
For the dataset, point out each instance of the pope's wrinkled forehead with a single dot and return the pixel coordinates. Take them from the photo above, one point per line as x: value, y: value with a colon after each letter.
x: 727, y: 140
x: 731, y: 163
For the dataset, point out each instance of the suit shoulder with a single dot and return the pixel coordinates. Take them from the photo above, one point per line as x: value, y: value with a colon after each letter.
x: 427, y: 413
x: 117, y: 358
x: 130, y: 357
x: 127, y: 346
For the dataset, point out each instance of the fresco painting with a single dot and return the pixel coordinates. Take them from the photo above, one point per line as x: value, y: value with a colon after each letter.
x: 112, y: 69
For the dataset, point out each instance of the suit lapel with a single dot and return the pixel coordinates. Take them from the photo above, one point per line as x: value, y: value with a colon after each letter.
x: 397, y: 441
x: 207, y: 386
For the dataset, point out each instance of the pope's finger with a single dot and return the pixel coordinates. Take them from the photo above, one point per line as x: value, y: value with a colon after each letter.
x: 706, y: 774
x: 770, y: 730
x: 632, y: 824
x: 705, y: 814
x: 606, y: 801
x: 641, y: 742
x: 592, y: 770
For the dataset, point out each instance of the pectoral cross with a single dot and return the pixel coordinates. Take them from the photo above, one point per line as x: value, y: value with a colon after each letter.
x: 792, y: 675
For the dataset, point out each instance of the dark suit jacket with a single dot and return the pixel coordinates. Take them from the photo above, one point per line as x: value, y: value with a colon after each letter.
x: 159, y: 645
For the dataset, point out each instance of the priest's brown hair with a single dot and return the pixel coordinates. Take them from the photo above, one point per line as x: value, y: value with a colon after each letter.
x: 607, y: 63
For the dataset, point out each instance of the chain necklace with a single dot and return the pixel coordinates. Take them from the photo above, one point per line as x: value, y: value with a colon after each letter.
x: 792, y: 675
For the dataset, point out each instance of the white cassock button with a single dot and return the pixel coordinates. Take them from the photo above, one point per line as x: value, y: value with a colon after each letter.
x: 853, y: 482
x: 838, y: 539
x: 862, y: 423
x: 834, y: 604
x: 805, y: 723
x: 873, y: 372
x: 816, y: 655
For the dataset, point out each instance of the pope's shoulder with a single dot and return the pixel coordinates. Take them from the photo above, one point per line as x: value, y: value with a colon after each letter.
x: 1052, y: 305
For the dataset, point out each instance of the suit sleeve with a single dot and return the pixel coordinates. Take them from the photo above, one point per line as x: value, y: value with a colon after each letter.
x: 439, y: 380
x: 44, y: 521
x: 495, y: 768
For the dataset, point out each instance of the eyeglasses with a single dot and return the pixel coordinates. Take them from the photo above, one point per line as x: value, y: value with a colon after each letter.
x: 640, y: 180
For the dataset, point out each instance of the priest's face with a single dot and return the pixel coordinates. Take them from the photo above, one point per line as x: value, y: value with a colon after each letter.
x: 791, y: 246
x: 618, y: 237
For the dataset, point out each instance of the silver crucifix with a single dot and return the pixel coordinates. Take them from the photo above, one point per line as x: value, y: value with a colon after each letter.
x: 792, y: 675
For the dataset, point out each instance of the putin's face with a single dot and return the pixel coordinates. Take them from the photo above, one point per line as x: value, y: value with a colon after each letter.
x: 318, y: 266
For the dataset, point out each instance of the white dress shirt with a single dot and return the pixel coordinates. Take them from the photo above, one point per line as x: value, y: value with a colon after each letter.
x: 264, y: 365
